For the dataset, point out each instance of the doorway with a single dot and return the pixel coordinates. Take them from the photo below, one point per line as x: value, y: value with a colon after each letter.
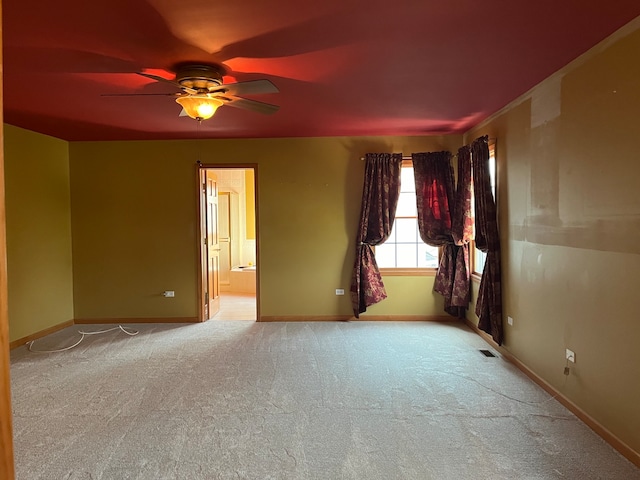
x: 228, y: 252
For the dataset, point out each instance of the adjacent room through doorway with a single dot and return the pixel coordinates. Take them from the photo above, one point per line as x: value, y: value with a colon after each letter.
x: 229, y: 253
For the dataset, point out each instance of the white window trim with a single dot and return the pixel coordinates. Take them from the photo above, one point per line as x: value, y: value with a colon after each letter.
x: 409, y: 271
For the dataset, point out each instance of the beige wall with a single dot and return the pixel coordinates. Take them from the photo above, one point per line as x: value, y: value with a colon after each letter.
x: 38, y: 231
x: 134, y: 223
x: 569, y: 183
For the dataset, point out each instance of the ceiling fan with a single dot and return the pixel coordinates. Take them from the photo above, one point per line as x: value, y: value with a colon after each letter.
x: 202, y: 91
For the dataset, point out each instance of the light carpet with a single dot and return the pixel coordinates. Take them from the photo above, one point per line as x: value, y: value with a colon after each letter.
x: 318, y: 400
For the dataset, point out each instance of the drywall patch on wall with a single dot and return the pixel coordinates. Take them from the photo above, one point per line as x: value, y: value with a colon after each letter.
x: 613, y: 235
x: 582, y: 169
x: 546, y: 109
x: 546, y: 101
x: 601, y: 105
x: 544, y: 178
x: 598, y: 147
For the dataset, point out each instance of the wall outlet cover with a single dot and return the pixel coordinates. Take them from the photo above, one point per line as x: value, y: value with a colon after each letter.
x: 570, y: 355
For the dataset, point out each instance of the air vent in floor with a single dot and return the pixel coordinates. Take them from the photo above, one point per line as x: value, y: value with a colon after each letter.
x: 487, y: 353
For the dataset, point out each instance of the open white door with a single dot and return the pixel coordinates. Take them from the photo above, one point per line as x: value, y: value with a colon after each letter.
x: 211, y: 244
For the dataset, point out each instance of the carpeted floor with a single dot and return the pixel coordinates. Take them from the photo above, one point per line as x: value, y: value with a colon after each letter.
x: 245, y: 400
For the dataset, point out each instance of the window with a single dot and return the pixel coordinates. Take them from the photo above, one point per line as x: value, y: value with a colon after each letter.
x: 479, y: 257
x: 405, y: 249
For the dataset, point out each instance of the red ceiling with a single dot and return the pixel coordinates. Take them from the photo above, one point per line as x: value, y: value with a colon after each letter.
x: 343, y: 67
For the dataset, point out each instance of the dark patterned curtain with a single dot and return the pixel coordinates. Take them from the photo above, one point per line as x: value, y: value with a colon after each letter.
x: 442, y: 217
x: 489, y: 303
x: 434, y: 196
x: 444, y: 220
x: 379, y: 201
x: 462, y: 233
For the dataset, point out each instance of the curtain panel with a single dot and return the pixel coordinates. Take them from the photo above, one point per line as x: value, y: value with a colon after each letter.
x: 489, y: 302
x: 444, y: 220
x: 433, y: 175
x: 462, y: 233
x: 379, y: 201
x: 462, y: 221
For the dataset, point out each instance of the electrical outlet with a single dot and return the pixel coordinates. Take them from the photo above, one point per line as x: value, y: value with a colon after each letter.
x: 169, y: 293
x: 339, y: 291
x: 510, y: 320
x: 570, y: 356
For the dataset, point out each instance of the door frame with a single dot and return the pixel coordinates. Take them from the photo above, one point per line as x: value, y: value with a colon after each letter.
x: 200, y: 231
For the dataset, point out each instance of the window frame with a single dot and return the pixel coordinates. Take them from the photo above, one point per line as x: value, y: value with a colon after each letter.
x: 409, y: 271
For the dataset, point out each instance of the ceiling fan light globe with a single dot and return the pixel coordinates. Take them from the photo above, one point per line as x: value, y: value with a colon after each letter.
x: 199, y: 107
x: 206, y: 110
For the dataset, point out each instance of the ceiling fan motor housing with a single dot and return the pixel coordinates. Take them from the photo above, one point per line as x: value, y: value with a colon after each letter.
x: 200, y: 77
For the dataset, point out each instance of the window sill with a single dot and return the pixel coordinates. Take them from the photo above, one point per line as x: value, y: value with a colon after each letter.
x: 408, y: 272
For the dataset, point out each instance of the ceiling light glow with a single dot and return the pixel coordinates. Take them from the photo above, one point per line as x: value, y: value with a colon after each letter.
x: 199, y: 107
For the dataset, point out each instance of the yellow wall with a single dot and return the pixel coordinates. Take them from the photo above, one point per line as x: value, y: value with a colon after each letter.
x: 569, y: 183
x: 408, y: 296
x: 134, y: 230
x: 38, y: 231
x: 134, y: 223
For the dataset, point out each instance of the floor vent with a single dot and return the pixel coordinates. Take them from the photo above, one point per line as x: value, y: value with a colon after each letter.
x: 487, y: 353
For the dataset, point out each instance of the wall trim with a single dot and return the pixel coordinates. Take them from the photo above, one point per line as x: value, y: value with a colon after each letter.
x: 406, y: 318
x: 95, y: 321
x: 42, y: 333
x: 609, y: 437
x: 305, y: 318
x: 351, y: 318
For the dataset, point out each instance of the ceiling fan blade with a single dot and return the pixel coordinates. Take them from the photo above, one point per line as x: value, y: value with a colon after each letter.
x: 139, y: 94
x: 183, y: 113
x: 55, y: 59
x: 248, y: 88
x: 253, y: 105
x: 157, y: 78
x: 345, y: 27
